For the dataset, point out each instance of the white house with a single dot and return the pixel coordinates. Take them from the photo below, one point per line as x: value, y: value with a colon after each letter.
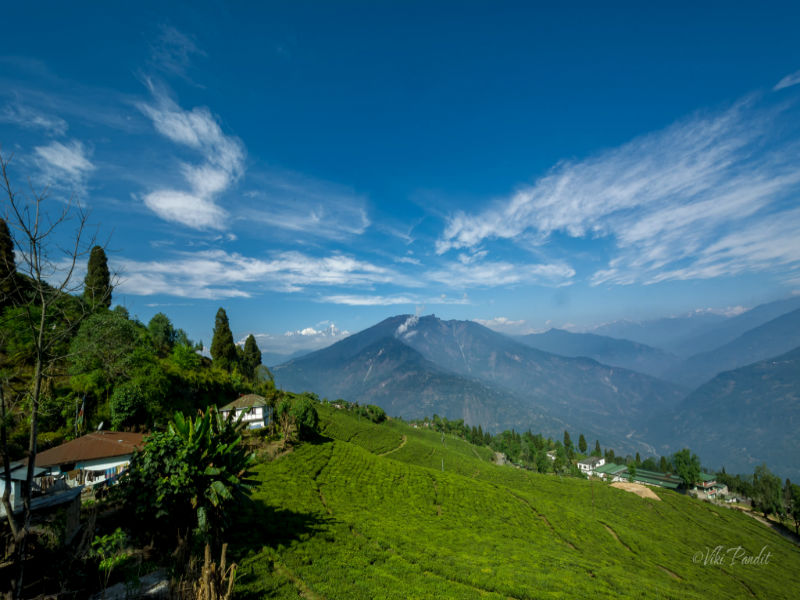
x: 19, y: 472
x: 590, y: 464
x: 253, y: 407
x: 91, y: 459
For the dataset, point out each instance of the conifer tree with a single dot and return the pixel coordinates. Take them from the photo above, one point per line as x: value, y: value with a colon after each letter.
x: 567, y: 440
x: 252, y: 356
x: 582, y: 444
x: 223, y: 350
x: 8, y: 268
x: 597, y: 450
x: 97, y: 285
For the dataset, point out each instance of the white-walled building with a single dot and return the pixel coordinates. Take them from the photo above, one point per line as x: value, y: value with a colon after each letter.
x: 254, y: 408
x: 590, y: 464
x: 91, y: 459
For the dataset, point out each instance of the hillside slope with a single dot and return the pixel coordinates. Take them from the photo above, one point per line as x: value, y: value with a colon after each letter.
x: 742, y: 418
x: 334, y: 520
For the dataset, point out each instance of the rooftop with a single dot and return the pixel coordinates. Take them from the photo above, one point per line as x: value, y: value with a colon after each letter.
x: 611, y: 469
x: 95, y: 445
x: 246, y: 401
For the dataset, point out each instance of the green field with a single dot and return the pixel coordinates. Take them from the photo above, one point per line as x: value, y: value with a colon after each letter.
x: 349, y: 517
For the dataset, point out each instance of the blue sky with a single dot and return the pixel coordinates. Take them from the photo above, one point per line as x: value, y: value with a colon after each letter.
x: 318, y: 167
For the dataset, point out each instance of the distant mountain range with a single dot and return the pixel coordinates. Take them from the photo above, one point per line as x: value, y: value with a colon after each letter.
x: 764, y: 341
x: 696, y: 332
x: 275, y: 358
x: 603, y: 349
x: 741, y: 418
x: 744, y: 407
x: 417, y: 366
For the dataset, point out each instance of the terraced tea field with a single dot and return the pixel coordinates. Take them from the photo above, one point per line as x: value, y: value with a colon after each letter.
x: 345, y: 519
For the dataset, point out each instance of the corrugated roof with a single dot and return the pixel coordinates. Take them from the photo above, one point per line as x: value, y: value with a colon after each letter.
x: 246, y: 401
x: 92, y: 446
x: 611, y: 468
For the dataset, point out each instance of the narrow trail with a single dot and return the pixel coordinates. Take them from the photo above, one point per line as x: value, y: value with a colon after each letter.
x: 402, y: 443
x: 616, y: 537
x: 543, y: 518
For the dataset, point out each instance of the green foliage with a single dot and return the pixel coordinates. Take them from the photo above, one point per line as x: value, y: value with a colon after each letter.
x: 184, y: 357
x: 111, y: 552
x: 794, y: 506
x: 687, y: 466
x: 597, y: 450
x: 223, y: 350
x: 100, y: 354
x: 305, y: 417
x: 582, y: 444
x: 162, y: 333
x: 8, y: 268
x: 333, y: 520
x: 766, y: 491
x: 187, y: 477
x: 251, y: 357
x: 97, y: 286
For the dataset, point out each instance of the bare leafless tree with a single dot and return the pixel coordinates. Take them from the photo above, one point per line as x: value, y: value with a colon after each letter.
x: 46, y: 275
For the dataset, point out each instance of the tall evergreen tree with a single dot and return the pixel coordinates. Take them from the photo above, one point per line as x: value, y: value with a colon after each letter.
x: 97, y: 285
x: 663, y: 466
x: 252, y: 356
x: 567, y: 440
x: 8, y: 268
x: 582, y: 444
x: 597, y: 451
x: 223, y: 350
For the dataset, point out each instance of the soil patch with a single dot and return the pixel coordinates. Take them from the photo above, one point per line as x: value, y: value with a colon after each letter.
x: 636, y: 488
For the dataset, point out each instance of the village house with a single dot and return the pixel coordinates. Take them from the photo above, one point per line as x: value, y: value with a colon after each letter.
x: 612, y: 472
x: 708, y: 488
x: 254, y: 408
x: 19, y: 472
x: 590, y: 464
x: 97, y: 457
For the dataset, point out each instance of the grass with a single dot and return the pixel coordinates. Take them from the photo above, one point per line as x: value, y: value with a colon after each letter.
x: 335, y: 519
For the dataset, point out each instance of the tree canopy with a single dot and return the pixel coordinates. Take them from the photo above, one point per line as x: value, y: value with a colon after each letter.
x: 223, y: 350
x: 97, y: 286
x: 687, y: 466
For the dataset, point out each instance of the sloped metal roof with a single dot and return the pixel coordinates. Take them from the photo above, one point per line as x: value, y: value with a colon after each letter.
x: 92, y: 446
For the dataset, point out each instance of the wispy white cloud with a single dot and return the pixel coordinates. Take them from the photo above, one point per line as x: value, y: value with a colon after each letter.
x: 295, y: 202
x: 64, y: 166
x: 306, y: 339
x: 218, y: 274
x: 788, y: 81
x: 503, y: 324
x: 690, y: 201
x: 29, y: 118
x: 223, y: 163
x: 391, y: 299
x: 479, y: 273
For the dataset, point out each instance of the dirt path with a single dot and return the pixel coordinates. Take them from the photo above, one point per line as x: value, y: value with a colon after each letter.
x: 402, y: 443
x: 636, y: 488
x: 616, y: 537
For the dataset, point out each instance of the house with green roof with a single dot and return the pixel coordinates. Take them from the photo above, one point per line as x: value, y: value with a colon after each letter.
x: 612, y: 472
x: 254, y: 408
x: 707, y: 487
